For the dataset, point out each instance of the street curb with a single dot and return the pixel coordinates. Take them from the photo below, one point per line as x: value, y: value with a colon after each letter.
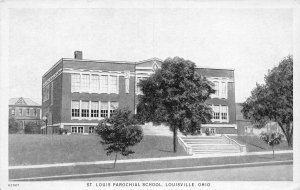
x: 164, y: 170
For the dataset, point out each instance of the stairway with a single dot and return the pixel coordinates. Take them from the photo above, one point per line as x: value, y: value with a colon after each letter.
x: 209, y: 145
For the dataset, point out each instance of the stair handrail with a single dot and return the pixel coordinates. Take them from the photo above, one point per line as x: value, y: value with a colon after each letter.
x: 187, y: 148
x: 234, y: 142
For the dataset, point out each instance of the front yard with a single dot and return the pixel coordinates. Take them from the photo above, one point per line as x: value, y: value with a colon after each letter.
x: 47, y: 149
x: 254, y: 144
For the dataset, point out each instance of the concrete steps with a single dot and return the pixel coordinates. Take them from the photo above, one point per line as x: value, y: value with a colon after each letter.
x: 209, y: 145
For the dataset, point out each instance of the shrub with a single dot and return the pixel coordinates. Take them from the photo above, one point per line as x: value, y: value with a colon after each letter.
x: 13, y: 125
x: 32, y: 127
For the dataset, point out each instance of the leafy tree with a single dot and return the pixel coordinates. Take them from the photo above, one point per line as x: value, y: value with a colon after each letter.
x: 271, y: 139
x: 273, y: 101
x: 32, y: 127
x: 119, y: 132
x: 14, y: 126
x: 176, y: 95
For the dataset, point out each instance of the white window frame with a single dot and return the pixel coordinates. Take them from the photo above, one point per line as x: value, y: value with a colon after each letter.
x: 104, y: 82
x: 220, y: 108
x: 93, y: 110
x: 75, y: 82
x: 13, y: 111
x: 91, y: 129
x: 46, y: 90
x: 87, y: 113
x: 85, y: 83
x: 113, y: 88
x: 95, y: 83
x: 221, y: 87
x: 111, y: 109
x: 74, y: 109
x: 107, y: 110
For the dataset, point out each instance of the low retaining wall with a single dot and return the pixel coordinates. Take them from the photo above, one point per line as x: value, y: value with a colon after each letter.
x: 234, y: 142
x: 186, y: 147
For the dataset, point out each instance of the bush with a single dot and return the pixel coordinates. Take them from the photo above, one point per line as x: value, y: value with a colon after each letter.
x: 14, y: 126
x: 32, y: 128
x: 62, y: 131
x: 207, y: 132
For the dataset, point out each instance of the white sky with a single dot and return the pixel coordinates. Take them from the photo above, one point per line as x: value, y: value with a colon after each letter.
x: 249, y: 40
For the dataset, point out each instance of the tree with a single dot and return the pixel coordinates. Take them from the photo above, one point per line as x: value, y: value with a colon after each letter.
x: 271, y: 139
x: 273, y: 101
x: 119, y: 132
x: 13, y: 125
x: 176, y: 95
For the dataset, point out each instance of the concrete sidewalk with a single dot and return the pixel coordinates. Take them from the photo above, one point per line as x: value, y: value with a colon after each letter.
x: 146, y: 159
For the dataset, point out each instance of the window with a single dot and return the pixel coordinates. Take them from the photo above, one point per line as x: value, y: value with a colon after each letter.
x: 126, y: 85
x: 95, y: 83
x: 212, y: 130
x: 75, y: 82
x: 13, y: 112
x: 75, y: 108
x: 84, y: 109
x: 216, y: 87
x: 113, y: 107
x: 104, y: 83
x: 91, y: 129
x: 113, y: 85
x: 85, y: 83
x: 27, y: 112
x: 46, y: 93
x: 34, y: 112
x: 80, y: 129
x: 223, y: 90
x: 74, y: 130
x: 224, y: 112
x: 95, y: 109
x: 216, y: 114
x: 104, y: 109
x: 138, y: 89
x: 20, y: 112
x: 220, y: 113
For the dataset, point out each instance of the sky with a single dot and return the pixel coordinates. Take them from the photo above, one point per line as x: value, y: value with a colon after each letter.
x: 251, y: 41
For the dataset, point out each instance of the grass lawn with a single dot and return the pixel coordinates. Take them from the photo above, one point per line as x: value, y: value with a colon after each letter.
x: 47, y: 149
x: 103, y: 168
x: 255, y: 144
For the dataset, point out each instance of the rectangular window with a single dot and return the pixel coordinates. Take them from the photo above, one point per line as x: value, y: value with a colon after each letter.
x: 138, y: 89
x: 113, y: 85
x: 46, y: 90
x: 95, y: 83
x: 27, y: 112
x: 126, y: 85
x: 216, y: 114
x: 80, y: 129
x: 212, y: 130
x: 104, y: 109
x: 34, y: 112
x: 223, y: 90
x: 75, y: 108
x: 84, y: 109
x: 104, y: 83
x: 95, y: 109
x: 224, y: 112
x: 91, y: 129
x: 113, y: 107
x: 75, y: 82
x: 216, y: 87
x: 13, y: 112
x: 20, y: 112
x: 74, y: 129
x: 85, y: 83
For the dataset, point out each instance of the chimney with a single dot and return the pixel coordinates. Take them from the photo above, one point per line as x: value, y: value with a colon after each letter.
x: 78, y: 55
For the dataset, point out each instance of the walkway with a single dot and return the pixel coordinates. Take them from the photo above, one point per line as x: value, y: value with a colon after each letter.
x: 147, y: 159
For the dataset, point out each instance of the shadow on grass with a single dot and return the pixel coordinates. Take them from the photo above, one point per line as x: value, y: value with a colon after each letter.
x: 266, y: 157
